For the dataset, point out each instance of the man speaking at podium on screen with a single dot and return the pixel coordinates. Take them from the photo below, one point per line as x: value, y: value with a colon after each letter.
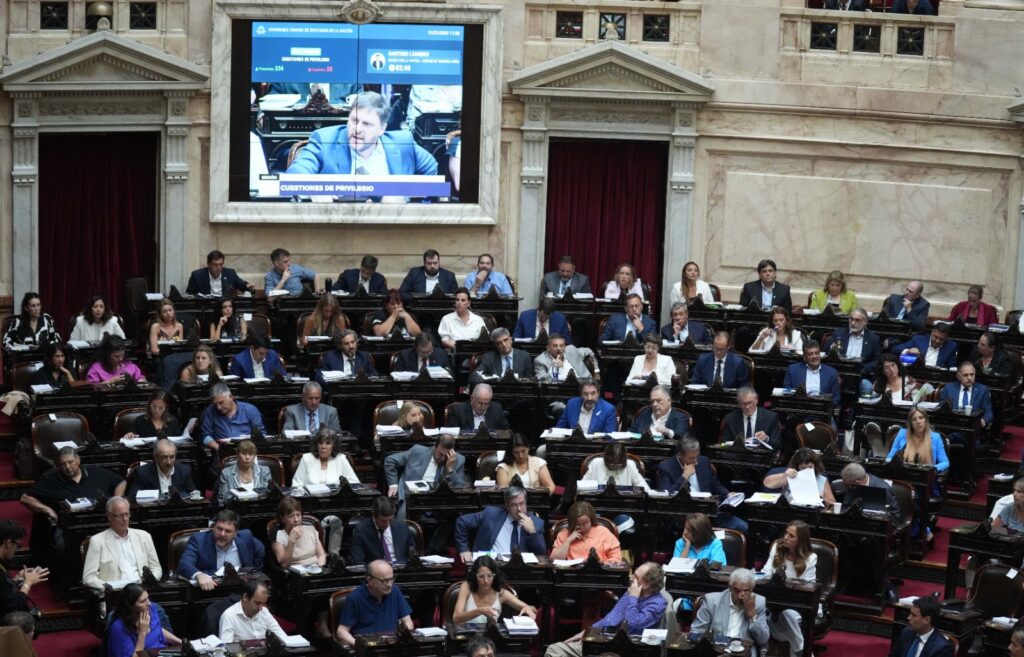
x: 362, y: 147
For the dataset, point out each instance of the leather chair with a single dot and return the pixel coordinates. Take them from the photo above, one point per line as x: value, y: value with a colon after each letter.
x: 735, y: 545
x: 555, y: 527
x: 135, y: 290
x: 21, y: 378
x: 124, y: 421
x: 451, y: 596
x: 955, y: 641
x: 210, y: 621
x: 820, y: 436
x: 129, y: 474
x: 901, y: 533
x: 487, y: 465
x: 827, y: 574
x: 992, y: 594
x: 416, y: 531
x: 336, y: 604
x: 716, y: 292
x: 64, y: 427
x: 632, y: 457
x: 1012, y: 317
x: 386, y: 412
x: 272, y: 462
x: 176, y: 547
x: 259, y: 323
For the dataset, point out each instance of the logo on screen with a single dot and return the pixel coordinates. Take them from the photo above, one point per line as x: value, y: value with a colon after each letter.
x: 261, y: 30
x: 377, y: 61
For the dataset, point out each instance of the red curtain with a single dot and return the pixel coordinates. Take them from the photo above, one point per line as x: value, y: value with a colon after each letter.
x: 97, y: 218
x: 606, y: 205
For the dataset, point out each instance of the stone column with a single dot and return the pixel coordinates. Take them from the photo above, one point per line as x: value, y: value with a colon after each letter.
x: 532, y: 205
x: 25, y: 197
x: 175, y: 192
x: 678, y: 213
x: 1018, y: 297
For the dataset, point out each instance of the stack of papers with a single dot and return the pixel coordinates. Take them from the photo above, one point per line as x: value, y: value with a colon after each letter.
x: 566, y: 563
x: 654, y: 637
x: 485, y: 483
x: 583, y: 485
x: 154, y: 296
x: 557, y: 432
x: 681, y: 565
x: 803, y: 489
x: 404, y: 376
x: 431, y: 631
x: 658, y: 493
x: 623, y: 435
x: 734, y: 499
x: 61, y: 444
x: 765, y: 498
x: 317, y: 489
x: 207, y: 644
x: 80, y: 504
x: 389, y: 430
x: 147, y: 495
x: 696, y: 386
x: 257, y: 379
x: 317, y: 338
x: 437, y: 559
x: 294, y: 641
x: 438, y: 372
x: 1004, y: 621
x: 243, y: 494
x: 521, y: 626
x: 418, y: 486
x: 295, y: 433
x: 19, y: 347
x: 138, y: 442
x: 37, y: 389
x: 334, y: 375
x: 277, y: 293
x: 78, y: 344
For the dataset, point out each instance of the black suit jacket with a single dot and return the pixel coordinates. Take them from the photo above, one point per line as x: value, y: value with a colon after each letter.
x: 409, y: 360
x: 869, y: 353
x: 752, y: 292
x: 766, y: 421
x: 461, y: 415
x: 199, y: 281
x: 146, y: 478
x: 937, y: 646
x: 416, y: 281
x: 348, y: 281
x: 491, y: 365
x: 366, y: 542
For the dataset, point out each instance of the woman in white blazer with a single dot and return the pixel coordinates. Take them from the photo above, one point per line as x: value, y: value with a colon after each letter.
x: 652, y: 361
x: 324, y: 463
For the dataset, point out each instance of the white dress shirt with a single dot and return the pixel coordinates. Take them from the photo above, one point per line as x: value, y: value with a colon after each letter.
x: 216, y: 289
x: 503, y: 541
x: 431, y: 472
x: 124, y: 548
x: 854, y: 346
x: 736, y: 616
x: 931, y: 357
x: 431, y: 282
x: 165, y: 480
x: 235, y: 626
x: 812, y: 384
x: 452, y: 328
x: 584, y: 421
x: 919, y: 643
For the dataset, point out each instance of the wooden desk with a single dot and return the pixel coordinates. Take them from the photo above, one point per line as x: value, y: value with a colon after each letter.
x: 389, y: 645
x: 597, y: 642
x: 971, y: 538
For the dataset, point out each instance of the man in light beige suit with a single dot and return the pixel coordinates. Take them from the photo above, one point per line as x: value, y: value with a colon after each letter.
x: 119, y: 554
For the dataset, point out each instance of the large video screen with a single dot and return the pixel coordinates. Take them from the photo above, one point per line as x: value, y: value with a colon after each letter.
x: 338, y: 112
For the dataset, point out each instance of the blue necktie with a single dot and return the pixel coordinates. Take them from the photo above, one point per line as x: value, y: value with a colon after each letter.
x: 913, y: 647
x: 750, y: 428
x: 965, y: 400
x: 561, y: 288
x: 508, y: 363
x: 514, y: 542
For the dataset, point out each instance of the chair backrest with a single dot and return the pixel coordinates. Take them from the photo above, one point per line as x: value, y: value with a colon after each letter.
x: 57, y: 427
x: 819, y: 435
x: 272, y: 462
x: 669, y: 620
x: 210, y: 622
x: 735, y: 545
x: 129, y: 474
x: 486, y: 465
x: 176, y: 546
x: 1012, y: 317
x: 448, y: 412
x: 83, y: 548
x: 259, y: 323
x: 555, y: 527
x: 749, y: 361
x: 451, y: 596
x: 337, y: 602
x: 905, y: 497
x: 635, y: 459
x: 21, y: 378
x: 993, y: 593
x: 955, y: 641
x: 386, y: 412
x: 828, y: 561
x: 716, y: 292
x: 417, y: 534
x: 300, y: 322
x: 125, y: 420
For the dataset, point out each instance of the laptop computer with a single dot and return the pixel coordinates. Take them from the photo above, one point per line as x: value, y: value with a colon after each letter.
x: 872, y: 498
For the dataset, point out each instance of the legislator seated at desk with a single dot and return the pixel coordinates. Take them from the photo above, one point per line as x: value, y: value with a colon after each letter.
x: 844, y: 5
x: 423, y: 463
x: 246, y: 473
x: 918, y: 444
x: 325, y: 463
x: 856, y: 342
x: 699, y: 541
x: 135, y: 626
x: 565, y: 278
x: 326, y: 320
x: 381, y: 536
x: 376, y: 605
x: 660, y: 419
x: 542, y: 318
x: 250, y: 618
x: 258, y: 361
x: 423, y: 280
x: 652, y: 362
x: 422, y: 354
x: 346, y: 358
x: 484, y: 279
x: 162, y: 473
x: 690, y: 286
x: 95, y: 321
x: 854, y: 474
x: 157, y: 420
x: 310, y: 414
x: 365, y: 276
x: 296, y: 543
x: 462, y: 324
x: 216, y: 279
x: 614, y: 464
x: 966, y: 392
x: 393, y: 316
x: 921, y: 637
x: 228, y: 324
x: 936, y: 349
x: 468, y: 416
x: 805, y: 458
x: 111, y: 366
x: 816, y: 378
x: 582, y: 532
x: 721, y: 365
x: 632, y: 321
x: 1011, y: 513
x: 208, y: 551
x: 690, y: 471
x: 227, y: 418
x: 920, y: 7
x: 560, y: 358
x: 589, y: 411
x: 165, y: 327
x: 766, y: 292
x: 32, y: 326
x: 989, y: 359
x: 834, y: 294
x: 780, y: 331
x: 288, y: 276
x: 14, y: 594
x: 484, y: 593
x: 752, y: 421
x: 204, y: 363
x: 518, y: 462
x: 792, y: 554
x: 641, y: 607
x: 625, y: 281
x: 54, y: 372
x: 909, y: 306
x: 501, y: 529
x: 736, y: 613
x: 119, y: 554
x: 974, y: 310
x: 504, y: 358
x: 681, y: 328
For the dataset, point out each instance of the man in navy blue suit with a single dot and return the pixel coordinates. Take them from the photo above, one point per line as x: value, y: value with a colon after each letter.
x: 422, y: 354
x: 720, y: 365
x: 921, y: 638
x: 259, y: 360
x: 910, y: 306
x: 936, y: 349
x: 633, y: 320
x: 209, y: 550
x: 543, y: 316
x: 597, y: 414
x: 817, y: 379
x: 216, y: 279
x: 363, y: 147
x: 752, y: 421
x: 500, y: 530
x: 966, y: 392
x: 364, y: 276
x: 660, y: 418
x: 766, y: 292
x: 346, y: 358
x: 682, y: 327
x: 690, y: 471
x: 423, y: 280
x: 857, y: 343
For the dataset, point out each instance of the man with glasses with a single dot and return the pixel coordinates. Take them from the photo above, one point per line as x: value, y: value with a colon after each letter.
x: 721, y: 366
x: 119, y: 554
x: 501, y: 530
x: 856, y: 343
x: 752, y: 421
x: 468, y: 416
x: 736, y: 613
x: 377, y: 605
x: 163, y: 473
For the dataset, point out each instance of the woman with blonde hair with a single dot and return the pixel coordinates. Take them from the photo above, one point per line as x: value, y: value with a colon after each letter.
x: 834, y: 294
x: 204, y: 363
x: 326, y: 319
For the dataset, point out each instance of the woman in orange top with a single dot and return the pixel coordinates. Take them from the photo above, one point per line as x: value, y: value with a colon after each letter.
x: 583, y: 533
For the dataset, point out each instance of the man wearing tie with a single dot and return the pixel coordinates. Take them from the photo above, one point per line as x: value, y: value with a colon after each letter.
x: 468, y: 416
x: 690, y: 471
x: 381, y: 536
x: 817, y: 379
x: 766, y: 292
x: 422, y: 354
x: 566, y: 278
x: 660, y: 419
x: 967, y: 393
x: 423, y: 463
x: 682, y: 328
x: 752, y: 421
x: 346, y: 358
x: 503, y: 359
x: 920, y: 638
x: 632, y: 321
x: 721, y: 366
x: 910, y: 306
x: 310, y: 415
x: 501, y: 530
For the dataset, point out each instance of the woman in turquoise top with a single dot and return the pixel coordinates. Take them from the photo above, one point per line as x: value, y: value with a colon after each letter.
x: 698, y: 542
x: 1012, y: 515
x: 834, y: 293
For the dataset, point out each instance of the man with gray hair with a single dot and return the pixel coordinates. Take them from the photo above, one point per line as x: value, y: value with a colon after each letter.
x: 346, y: 357
x: 117, y: 555
x: 854, y: 475
x: 737, y: 612
x: 363, y: 147
x: 163, y: 473
x: 752, y: 421
x: 227, y: 418
x: 641, y: 607
x: 504, y: 358
x: 690, y: 471
x: 660, y: 418
x: 309, y: 414
x: 501, y: 530
x: 468, y: 416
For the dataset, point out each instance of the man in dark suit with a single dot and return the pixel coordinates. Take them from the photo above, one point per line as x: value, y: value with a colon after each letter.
x: 422, y: 354
x: 422, y: 280
x: 817, y: 379
x: 601, y: 414
x: 216, y: 279
x: 845, y: 5
x: 258, y: 360
x: 766, y: 292
x: 967, y: 392
x: 909, y: 306
x: 205, y: 553
x: 346, y: 358
x: 752, y: 421
x: 543, y: 316
x: 502, y: 359
x: 682, y: 327
x: 425, y: 462
x: 501, y: 530
x: 856, y: 343
x: 921, y: 638
x: 935, y: 350
x: 468, y: 416
x: 565, y: 278
x: 720, y: 365
x: 309, y: 414
x: 690, y: 471
x: 854, y: 474
x: 162, y: 473
x: 633, y: 320
x: 365, y: 276
x: 660, y: 418
x: 381, y: 536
